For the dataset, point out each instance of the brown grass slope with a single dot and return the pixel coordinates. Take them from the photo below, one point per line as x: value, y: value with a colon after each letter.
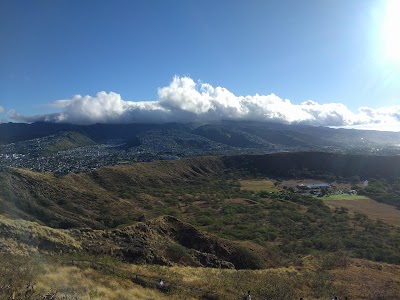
x: 60, y: 278
x: 101, y: 199
x: 157, y: 173
x: 26, y: 238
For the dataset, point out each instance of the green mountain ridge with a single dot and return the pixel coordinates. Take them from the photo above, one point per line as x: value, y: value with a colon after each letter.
x: 70, y: 140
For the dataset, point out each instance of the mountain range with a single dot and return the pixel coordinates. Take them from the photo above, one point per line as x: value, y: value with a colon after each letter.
x: 63, y: 145
x: 231, y: 133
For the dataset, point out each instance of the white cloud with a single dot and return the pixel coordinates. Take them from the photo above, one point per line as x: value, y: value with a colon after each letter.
x: 184, y: 100
x: 1, y: 109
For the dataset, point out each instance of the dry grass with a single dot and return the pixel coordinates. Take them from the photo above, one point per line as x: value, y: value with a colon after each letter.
x: 259, y: 185
x: 89, y: 284
x: 81, y: 200
x: 359, y: 279
x: 373, y: 209
x: 367, y: 280
x: 20, y: 237
x: 228, y: 284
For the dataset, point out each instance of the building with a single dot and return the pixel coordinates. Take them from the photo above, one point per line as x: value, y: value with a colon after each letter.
x: 314, y: 186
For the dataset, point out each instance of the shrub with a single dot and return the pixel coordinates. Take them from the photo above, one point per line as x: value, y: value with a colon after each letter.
x: 177, y: 252
x: 244, y: 258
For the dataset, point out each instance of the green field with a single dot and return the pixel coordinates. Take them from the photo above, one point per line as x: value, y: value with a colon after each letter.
x: 344, y: 197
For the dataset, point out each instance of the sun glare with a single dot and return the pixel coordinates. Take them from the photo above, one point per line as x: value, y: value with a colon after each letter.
x: 391, y: 31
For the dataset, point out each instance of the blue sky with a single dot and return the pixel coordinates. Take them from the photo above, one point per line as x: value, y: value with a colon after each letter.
x: 328, y: 51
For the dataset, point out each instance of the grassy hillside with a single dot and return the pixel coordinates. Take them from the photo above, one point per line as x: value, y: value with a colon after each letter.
x: 200, y: 212
x: 28, y: 238
x: 279, y: 227
x: 101, y: 199
x: 163, y: 241
x: 68, y: 278
x: 71, y: 201
x: 70, y: 140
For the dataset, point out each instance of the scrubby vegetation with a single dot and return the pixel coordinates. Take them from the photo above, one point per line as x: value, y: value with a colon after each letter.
x: 193, y: 213
x: 385, y: 191
x: 287, y: 224
x: 70, y: 277
x: 281, y: 226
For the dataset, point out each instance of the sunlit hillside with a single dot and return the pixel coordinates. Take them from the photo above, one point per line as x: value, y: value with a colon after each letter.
x: 209, y: 227
x: 73, y: 277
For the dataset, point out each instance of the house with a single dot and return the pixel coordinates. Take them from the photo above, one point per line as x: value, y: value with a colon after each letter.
x: 314, y: 186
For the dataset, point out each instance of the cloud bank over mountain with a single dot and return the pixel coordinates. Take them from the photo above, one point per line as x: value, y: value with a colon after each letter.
x: 184, y: 100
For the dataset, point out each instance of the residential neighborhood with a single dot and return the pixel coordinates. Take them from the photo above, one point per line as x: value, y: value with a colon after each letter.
x: 38, y: 154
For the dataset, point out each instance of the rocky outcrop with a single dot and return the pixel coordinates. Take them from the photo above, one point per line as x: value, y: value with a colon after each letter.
x: 167, y: 241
